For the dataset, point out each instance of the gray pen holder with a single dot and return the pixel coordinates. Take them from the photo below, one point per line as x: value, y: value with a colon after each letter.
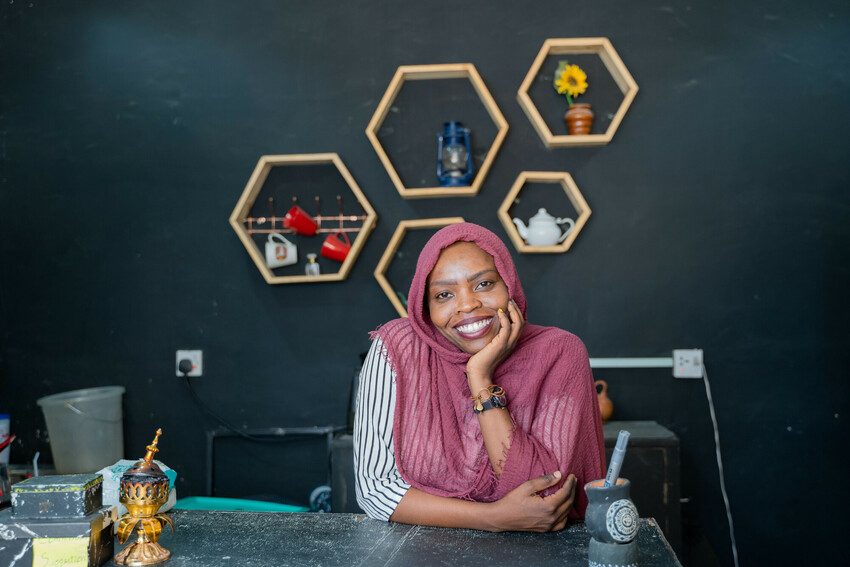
x: 612, y: 520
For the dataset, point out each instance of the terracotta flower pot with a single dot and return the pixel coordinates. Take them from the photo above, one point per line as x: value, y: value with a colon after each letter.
x: 579, y: 118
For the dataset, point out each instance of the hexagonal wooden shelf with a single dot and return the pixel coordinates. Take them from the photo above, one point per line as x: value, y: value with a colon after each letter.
x: 571, y: 46
x: 255, y: 185
x: 430, y: 72
x: 392, y: 248
x: 565, y: 180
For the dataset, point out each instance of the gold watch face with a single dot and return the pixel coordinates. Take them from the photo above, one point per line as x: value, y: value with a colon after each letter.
x: 478, y: 406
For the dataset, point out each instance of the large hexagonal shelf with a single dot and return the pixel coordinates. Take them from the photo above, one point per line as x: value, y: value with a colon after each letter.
x: 246, y: 226
x: 578, y: 46
x: 437, y: 72
x: 566, y: 182
x: 393, y: 247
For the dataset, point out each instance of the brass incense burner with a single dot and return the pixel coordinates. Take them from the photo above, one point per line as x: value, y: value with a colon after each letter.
x: 143, y: 489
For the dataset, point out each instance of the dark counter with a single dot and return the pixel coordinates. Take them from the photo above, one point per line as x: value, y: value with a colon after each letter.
x: 249, y: 539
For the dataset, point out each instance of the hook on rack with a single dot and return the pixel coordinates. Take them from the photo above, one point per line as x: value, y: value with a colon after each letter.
x: 318, y: 201
x: 272, y: 216
x: 339, y: 204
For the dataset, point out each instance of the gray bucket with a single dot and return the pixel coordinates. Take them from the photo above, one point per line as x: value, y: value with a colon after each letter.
x: 86, y: 428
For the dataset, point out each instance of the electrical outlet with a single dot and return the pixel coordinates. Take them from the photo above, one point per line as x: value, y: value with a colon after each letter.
x: 687, y: 363
x: 197, y: 358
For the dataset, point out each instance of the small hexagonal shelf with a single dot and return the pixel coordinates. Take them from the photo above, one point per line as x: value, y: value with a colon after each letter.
x: 565, y: 180
x: 600, y: 46
x: 392, y: 248
x: 246, y: 226
x: 437, y: 72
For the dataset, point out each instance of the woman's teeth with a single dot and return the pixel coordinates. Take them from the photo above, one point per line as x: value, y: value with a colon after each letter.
x: 474, y: 327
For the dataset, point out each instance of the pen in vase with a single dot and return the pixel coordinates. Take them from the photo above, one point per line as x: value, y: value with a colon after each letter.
x: 617, y: 459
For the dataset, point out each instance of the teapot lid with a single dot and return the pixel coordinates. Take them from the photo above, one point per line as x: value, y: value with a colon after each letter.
x: 543, y: 216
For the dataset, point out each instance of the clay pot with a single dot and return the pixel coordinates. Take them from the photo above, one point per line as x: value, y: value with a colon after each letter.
x: 606, y: 406
x: 611, y: 516
x: 579, y: 118
x: 612, y: 520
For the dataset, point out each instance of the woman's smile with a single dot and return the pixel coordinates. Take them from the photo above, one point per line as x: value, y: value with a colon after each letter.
x: 474, y: 327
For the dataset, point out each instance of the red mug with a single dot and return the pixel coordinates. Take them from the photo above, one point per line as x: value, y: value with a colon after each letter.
x: 298, y: 220
x: 336, y: 249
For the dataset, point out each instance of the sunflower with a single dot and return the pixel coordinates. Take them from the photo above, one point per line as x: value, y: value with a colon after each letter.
x: 570, y: 81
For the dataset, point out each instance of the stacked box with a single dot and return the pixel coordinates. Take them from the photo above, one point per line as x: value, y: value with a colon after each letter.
x: 23, y: 539
x: 59, y: 496
x: 57, y: 518
x: 5, y: 487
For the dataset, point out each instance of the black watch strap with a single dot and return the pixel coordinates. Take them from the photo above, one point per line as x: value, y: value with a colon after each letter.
x: 490, y: 403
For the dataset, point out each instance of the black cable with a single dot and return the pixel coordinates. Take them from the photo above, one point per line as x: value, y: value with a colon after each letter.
x: 227, y: 425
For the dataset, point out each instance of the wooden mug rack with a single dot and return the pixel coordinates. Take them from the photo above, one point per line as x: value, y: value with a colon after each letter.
x: 252, y: 224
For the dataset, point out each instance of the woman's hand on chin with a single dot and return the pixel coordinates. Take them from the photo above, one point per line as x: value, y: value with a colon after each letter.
x: 523, y: 510
x: 480, y: 367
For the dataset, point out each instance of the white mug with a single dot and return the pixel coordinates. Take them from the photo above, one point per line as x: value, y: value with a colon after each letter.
x: 280, y: 251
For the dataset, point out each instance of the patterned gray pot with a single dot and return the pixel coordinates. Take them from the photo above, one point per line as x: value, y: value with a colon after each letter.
x: 611, y: 516
x: 612, y: 554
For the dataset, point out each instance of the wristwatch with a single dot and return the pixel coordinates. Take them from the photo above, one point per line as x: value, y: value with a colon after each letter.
x: 497, y: 399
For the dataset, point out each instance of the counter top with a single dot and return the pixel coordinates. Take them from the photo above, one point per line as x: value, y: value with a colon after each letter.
x: 252, y: 539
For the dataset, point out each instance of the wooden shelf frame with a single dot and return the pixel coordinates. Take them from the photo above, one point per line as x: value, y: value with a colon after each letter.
x: 565, y: 180
x: 393, y: 246
x: 600, y: 46
x: 432, y: 72
x: 252, y: 191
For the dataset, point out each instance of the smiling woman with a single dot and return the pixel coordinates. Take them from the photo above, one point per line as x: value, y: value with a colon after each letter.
x: 465, y: 294
x: 467, y: 416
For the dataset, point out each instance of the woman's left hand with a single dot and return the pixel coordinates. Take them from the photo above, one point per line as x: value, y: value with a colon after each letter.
x: 482, y: 365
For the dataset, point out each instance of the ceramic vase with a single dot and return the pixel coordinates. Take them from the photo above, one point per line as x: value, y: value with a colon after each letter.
x: 612, y: 520
x: 606, y: 406
x: 579, y: 118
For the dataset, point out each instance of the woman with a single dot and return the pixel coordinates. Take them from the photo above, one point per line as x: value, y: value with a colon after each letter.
x: 433, y: 444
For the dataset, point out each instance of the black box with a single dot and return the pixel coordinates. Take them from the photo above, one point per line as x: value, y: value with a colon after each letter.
x: 60, y: 496
x: 343, y: 498
x: 18, y: 536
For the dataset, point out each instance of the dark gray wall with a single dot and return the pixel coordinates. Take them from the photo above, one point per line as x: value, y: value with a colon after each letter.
x: 128, y: 130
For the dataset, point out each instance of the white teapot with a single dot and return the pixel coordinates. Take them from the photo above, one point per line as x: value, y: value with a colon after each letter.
x: 543, y: 229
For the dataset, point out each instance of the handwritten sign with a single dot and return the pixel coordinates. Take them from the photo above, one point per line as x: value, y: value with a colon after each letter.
x: 60, y: 552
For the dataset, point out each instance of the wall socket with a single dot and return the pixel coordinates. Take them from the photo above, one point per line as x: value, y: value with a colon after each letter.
x: 197, y: 358
x: 687, y: 363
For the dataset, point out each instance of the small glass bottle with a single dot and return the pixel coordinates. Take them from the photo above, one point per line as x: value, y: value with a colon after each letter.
x: 311, y: 268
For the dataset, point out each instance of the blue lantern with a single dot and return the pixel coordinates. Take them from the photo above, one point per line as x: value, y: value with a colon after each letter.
x: 454, y: 156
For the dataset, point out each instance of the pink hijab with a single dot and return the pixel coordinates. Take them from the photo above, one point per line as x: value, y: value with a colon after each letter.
x: 438, y: 443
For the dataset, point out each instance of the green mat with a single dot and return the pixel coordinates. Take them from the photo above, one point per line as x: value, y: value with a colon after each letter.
x: 233, y: 505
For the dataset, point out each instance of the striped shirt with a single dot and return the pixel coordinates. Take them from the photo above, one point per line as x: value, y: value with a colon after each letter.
x: 378, y: 484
